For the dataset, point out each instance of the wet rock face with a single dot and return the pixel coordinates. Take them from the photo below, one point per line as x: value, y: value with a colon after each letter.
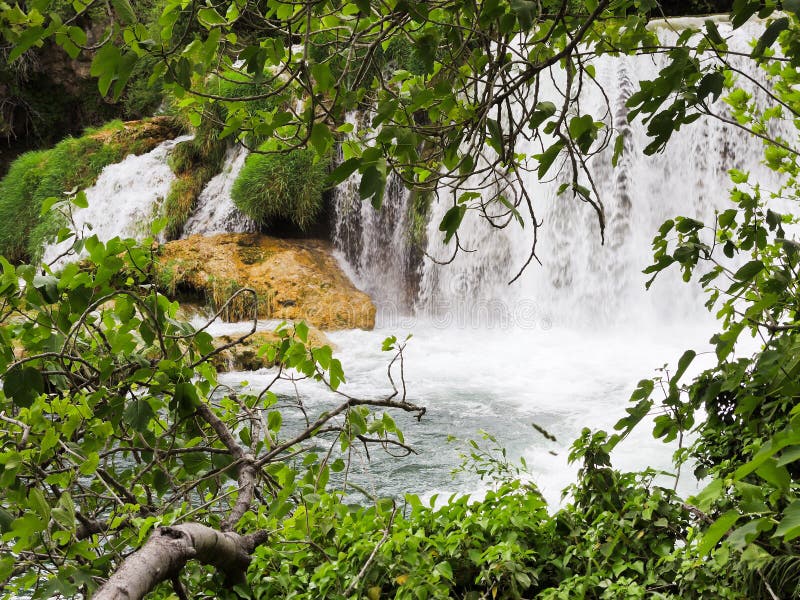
x: 293, y: 279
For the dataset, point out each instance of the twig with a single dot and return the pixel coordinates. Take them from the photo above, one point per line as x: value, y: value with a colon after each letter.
x: 382, y: 541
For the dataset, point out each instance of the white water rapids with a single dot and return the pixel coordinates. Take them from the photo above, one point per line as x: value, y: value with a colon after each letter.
x: 564, y: 346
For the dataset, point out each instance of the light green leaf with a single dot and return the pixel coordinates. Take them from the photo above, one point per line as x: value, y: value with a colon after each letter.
x: 789, y: 526
x: 715, y: 532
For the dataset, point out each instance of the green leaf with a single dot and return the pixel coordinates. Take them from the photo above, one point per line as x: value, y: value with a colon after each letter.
x: 373, y: 182
x: 789, y: 526
x: 789, y: 455
x: 301, y: 331
x: 547, y: 158
x: 274, y: 420
x: 64, y: 512
x: 713, y: 33
x: 444, y: 569
x: 138, y: 414
x: 80, y: 200
x: 321, y: 138
x: 37, y: 502
x: 711, y: 83
x: 185, y: 399
x: 542, y: 112
x: 742, y: 11
x: 451, y: 221
x: 89, y: 466
x: 769, y: 36
x: 526, y: 12
x: 683, y: 364
x: 210, y: 17
x: 26, y: 40
x: 47, y: 204
x: 715, y: 532
x: 343, y: 171
x: 358, y: 425
x: 104, y: 66
x: 495, y: 135
x: 749, y: 271
x: 619, y: 147
x: 47, y: 286
x: 124, y: 11
x: 23, y: 385
x: 778, y: 476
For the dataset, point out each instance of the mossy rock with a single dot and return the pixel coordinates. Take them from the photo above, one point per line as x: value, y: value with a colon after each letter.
x: 245, y: 355
x: 293, y: 279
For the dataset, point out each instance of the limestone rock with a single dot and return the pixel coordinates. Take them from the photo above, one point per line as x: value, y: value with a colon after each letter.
x: 293, y: 279
x: 244, y: 356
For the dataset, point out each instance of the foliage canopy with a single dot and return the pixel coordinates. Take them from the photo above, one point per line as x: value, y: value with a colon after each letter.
x: 115, y: 428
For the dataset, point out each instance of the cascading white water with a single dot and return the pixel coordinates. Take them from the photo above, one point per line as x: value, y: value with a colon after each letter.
x: 215, y: 211
x: 124, y: 201
x: 581, y: 281
x: 375, y: 245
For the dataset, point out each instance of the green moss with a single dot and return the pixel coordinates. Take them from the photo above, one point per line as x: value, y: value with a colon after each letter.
x: 284, y: 187
x: 194, y: 162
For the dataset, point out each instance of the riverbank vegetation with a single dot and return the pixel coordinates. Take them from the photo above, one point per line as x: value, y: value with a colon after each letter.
x: 122, y: 452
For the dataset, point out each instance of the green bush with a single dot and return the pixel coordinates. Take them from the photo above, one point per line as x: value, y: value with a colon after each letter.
x: 285, y: 187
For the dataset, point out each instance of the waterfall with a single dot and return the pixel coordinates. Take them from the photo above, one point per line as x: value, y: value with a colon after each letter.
x: 124, y: 201
x: 215, y: 211
x: 375, y: 245
x: 581, y: 281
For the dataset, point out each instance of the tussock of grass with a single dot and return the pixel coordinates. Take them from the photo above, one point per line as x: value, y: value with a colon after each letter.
x: 284, y: 187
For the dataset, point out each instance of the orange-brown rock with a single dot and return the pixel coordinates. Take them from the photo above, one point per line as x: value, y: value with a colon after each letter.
x: 293, y: 279
x: 139, y: 137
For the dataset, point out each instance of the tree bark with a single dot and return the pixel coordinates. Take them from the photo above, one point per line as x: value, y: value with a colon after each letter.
x: 168, y: 550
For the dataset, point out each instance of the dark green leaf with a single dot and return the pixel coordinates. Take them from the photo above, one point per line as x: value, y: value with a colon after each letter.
x: 23, y: 385
x: 526, y: 11
x: 749, y: 271
x: 769, y: 36
x: 372, y: 185
x: 451, y: 221
x: 138, y: 414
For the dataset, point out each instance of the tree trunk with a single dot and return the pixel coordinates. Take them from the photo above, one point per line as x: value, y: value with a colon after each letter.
x: 168, y: 550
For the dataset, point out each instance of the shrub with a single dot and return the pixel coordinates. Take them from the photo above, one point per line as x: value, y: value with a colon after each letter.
x: 285, y: 187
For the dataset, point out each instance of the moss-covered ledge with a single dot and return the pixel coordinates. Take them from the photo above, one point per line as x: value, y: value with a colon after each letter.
x: 74, y: 163
x: 294, y: 279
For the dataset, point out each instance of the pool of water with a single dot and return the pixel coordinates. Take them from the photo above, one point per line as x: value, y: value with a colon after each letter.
x: 501, y: 381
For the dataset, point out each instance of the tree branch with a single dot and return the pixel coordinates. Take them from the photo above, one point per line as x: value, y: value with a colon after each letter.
x: 168, y: 550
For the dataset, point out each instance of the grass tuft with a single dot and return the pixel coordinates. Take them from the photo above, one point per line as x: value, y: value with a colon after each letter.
x: 284, y: 187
